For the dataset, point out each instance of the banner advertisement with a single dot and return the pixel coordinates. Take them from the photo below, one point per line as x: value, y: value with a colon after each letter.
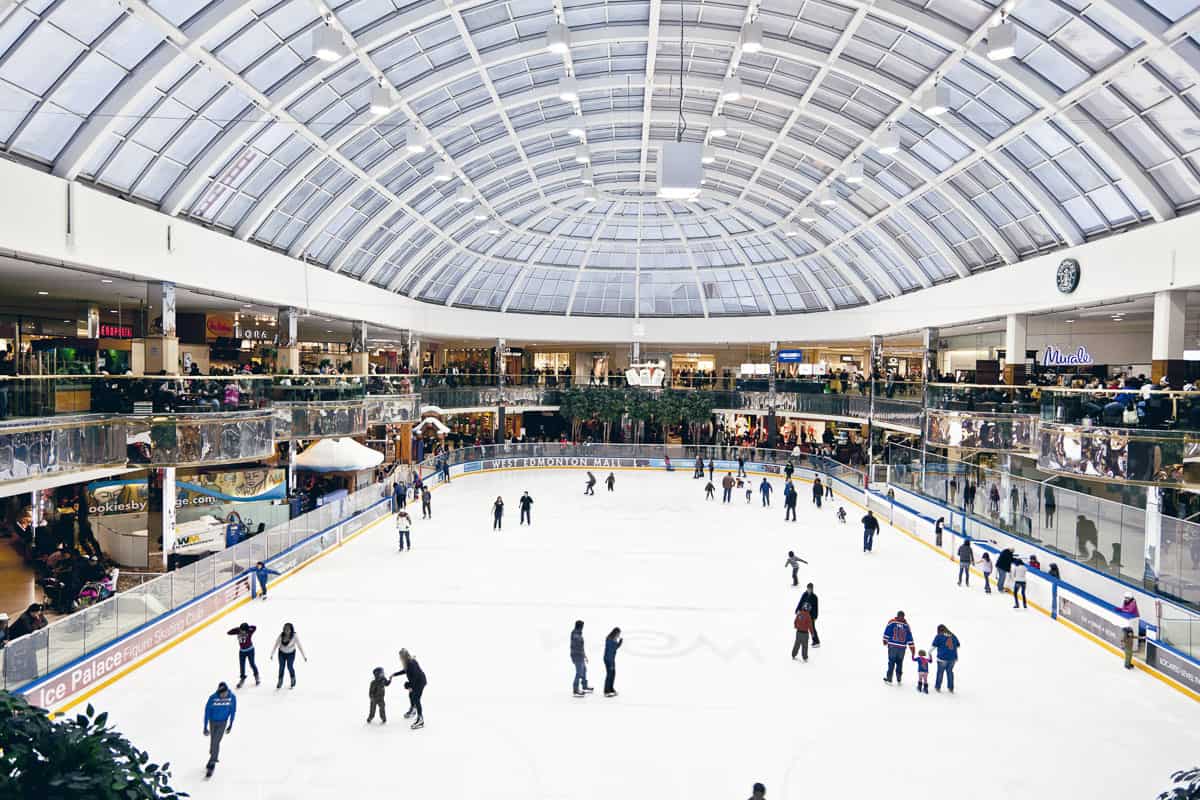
x: 517, y: 462
x: 1099, y: 625
x: 203, y: 489
x: 218, y: 326
x: 1169, y: 663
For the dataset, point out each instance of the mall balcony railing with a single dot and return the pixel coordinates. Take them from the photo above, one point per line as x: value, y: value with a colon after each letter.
x: 185, y: 440
x: 41, y: 396
x: 988, y: 398
x: 72, y: 443
x: 982, y: 417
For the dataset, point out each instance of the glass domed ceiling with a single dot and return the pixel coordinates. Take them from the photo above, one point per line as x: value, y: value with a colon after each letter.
x: 219, y: 111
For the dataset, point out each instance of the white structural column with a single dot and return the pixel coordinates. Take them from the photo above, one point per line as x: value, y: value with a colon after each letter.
x: 1167, y: 340
x: 287, y: 324
x: 1015, y: 326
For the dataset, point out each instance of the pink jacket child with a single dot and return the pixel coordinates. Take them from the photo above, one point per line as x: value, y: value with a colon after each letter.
x: 922, y: 659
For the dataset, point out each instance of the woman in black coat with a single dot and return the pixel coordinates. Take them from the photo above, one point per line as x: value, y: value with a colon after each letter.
x: 416, y: 686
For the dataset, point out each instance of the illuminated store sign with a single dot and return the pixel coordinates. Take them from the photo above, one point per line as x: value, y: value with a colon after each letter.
x: 1053, y: 357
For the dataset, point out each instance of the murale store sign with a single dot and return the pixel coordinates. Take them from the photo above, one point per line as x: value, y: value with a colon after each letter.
x: 1053, y: 357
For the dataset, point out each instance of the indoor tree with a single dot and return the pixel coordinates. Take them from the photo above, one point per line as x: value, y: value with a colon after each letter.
x: 1187, y: 786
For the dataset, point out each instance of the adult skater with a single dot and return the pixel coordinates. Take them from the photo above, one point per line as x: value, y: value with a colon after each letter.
x: 219, y: 712
x: 259, y: 574
x: 399, y: 495
x: 828, y: 488
x: 526, y: 504
x: 591, y: 484
x: 403, y: 530
x: 945, y: 644
x: 794, y: 561
x: 426, y: 503
x: 377, y: 692
x: 498, y: 514
x: 897, y: 636
x: 966, y: 559
x: 789, y: 502
x: 610, y: 481
x: 1049, y: 505
x: 788, y: 471
x: 579, y: 686
x: 870, y: 528
x: 759, y: 792
x: 245, y: 639
x: 804, y: 627
x: 698, y: 468
x: 809, y: 598
x: 1004, y: 563
x: 764, y: 489
x: 710, y: 491
x: 416, y: 687
x: 612, y: 643
x: 938, y: 528
x: 286, y: 645
x: 741, y: 459
x: 818, y: 491
x: 1019, y: 577
x: 727, y: 487
x: 711, y: 467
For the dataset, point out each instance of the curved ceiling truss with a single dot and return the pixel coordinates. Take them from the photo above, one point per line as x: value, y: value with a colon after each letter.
x: 218, y: 110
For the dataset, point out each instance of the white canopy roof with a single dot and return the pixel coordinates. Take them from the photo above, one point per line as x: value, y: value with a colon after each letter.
x: 338, y: 455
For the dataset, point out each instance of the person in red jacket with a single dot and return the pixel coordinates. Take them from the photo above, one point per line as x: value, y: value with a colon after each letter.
x: 804, y: 629
x: 245, y: 637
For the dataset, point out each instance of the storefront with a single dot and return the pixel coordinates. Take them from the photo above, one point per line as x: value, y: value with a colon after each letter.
x: 693, y: 369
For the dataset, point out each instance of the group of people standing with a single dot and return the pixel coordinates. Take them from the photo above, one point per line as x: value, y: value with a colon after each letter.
x: 612, y: 643
x: 420, y: 491
x: 898, y: 638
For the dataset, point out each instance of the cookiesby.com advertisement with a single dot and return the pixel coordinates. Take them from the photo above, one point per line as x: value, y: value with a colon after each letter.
x: 192, y: 490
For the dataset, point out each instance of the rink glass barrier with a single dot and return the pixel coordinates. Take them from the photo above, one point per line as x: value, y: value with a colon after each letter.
x: 93, y: 629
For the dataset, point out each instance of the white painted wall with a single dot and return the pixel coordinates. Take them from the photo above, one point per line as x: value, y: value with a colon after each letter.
x: 1114, y: 343
x: 111, y: 234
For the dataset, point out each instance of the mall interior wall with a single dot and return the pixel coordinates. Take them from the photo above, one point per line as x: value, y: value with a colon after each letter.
x: 46, y: 218
x: 1113, y: 343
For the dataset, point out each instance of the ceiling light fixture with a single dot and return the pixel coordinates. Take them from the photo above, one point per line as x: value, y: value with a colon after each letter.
x: 889, y: 141
x: 494, y: 229
x: 582, y: 156
x: 43, y: 293
x: 854, y: 173
x: 576, y: 127
x: 791, y: 231
x: 588, y: 178
x: 708, y: 155
x: 106, y: 280
x: 568, y: 89
x: 464, y: 197
x: 591, y: 196
x: 1002, y: 41
x: 936, y: 100
x: 808, y: 216
x: 731, y: 90
x: 480, y: 216
x: 826, y: 199
x: 752, y: 37
x: 417, y: 142
x: 717, y: 128
x: 443, y: 174
x: 327, y: 44
x: 382, y: 100
x: 558, y: 39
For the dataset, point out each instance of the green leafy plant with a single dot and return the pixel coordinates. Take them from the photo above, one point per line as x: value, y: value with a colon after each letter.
x: 73, y: 757
x: 1187, y: 785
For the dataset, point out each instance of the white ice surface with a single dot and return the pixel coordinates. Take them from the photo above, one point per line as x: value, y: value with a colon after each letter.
x: 710, y: 700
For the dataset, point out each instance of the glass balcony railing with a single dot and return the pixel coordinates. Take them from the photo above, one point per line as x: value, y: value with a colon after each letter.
x: 1122, y: 408
x: 993, y: 399
x: 1130, y: 455
x: 29, y: 397
x: 981, y: 430
x: 68, y: 444
x: 197, y: 439
x: 318, y: 388
x: 316, y: 419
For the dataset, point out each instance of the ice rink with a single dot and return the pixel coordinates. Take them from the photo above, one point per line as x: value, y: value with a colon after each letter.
x: 710, y: 700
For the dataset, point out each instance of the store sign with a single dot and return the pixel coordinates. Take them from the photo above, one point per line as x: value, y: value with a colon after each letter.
x: 1100, y: 626
x: 256, y: 334
x: 848, y: 359
x: 651, y: 374
x: 1176, y: 666
x: 1053, y: 357
x: 116, y: 331
x: 219, y: 326
x: 790, y: 356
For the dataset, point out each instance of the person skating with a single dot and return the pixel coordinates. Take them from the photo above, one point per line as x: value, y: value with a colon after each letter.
x: 1128, y: 642
x: 498, y: 514
x: 415, y: 684
x: 1019, y: 577
x: 870, y: 528
x: 789, y: 502
x: 828, y: 487
x: 841, y: 515
x: 1004, y: 563
x: 741, y: 462
x: 403, y: 530
x: 698, y: 468
x: 710, y: 491
x: 526, y: 504
x: 804, y: 627
x: 399, y: 495
x: 711, y: 468
x: 945, y: 645
x: 810, y: 599
x: 788, y: 471
x: 245, y: 639
x: 591, y: 484
x: 922, y: 659
x: 219, y: 712
x: 765, y: 489
x: 612, y: 643
x: 610, y: 481
x: 426, y: 503
x: 286, y: 645
x: 818, y: 491
x: 727, y: 487
x: 966, y: 559
x: 258, y: 579
x: 985, y: 566
x: 376, y: 692
x: 896, y: 637
x: 579, y: 685
x: 759, y: 792
x: 794, y: 561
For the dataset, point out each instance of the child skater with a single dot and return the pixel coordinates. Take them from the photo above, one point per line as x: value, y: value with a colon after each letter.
x: 749, y: 491
x: 794, y: 562
x: 922, y: 659
x: 379, y: 684
x: 842, y: 514
x: 709, y: 490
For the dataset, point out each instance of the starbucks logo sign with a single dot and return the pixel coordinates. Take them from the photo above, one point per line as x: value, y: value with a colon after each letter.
x: 1068, y: 276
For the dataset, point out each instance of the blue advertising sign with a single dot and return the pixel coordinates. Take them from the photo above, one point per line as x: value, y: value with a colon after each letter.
x: 790, y: 356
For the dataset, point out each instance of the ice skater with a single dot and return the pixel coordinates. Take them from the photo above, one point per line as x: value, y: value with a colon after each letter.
x: 426, y: 503
x: 399, y: 495
x: 591, y: 484
x: 727, y: 487
x: 741, y: 462
x: 896, y: 637
x: 258, y: 579
x: 841, y: 515
x: 286, y: 645
x: 828, y: 487
x: 759, y: 792
x: 526, y: 505
x: 710, y: 491
x: 789, y: 502
x: 804, y: 628
x: 985, y: 566
x: 376, y: 692
x: 764, y: 490
x: 579, y: 686
x: 498, y: 514
x: 612, y: 643
x: 966, y: 560
x: 698, y: 468
x: 711, y: 468
x: 415, y: 684
x: 610, y: 481
x: 810, y: 599
x: 219, y: 712
x: 922, y: 659
x: 245, y: 639
x: 794, y: 561
x: 946, y: 645
x: 870, y: 528
x: 1019, y: 573
x: 1004, y: 563
x: 749, y: 491
x: 817, y: 492
x: 403, y: 529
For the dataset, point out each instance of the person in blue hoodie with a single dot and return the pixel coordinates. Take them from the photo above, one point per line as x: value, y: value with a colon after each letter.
x: 945, y: 644
x: 612, y: 643
x: 765, y: 489
x: 789, y: 502
x: 897, y: 636
x: 219, y: 712
x: 258, y: 579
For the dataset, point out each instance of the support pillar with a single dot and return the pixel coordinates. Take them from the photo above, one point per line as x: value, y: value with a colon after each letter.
x: 636, y: 357
x: 160, y: 511
x: 929, y: 365
x: 876, y: 367
x: 1166, y: 352
x: 287, y: 322
x: 412, y: 347
x: 360, y: 359
x: 1153, y: 542
x: 93, y: 322
x: 1015, y: 326
x: 501, y: 346
x: 162, y: 344
x: 774, y: 366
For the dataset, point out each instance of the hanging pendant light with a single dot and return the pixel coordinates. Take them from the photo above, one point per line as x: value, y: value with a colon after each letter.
x: 443, y: 174
x: 731, y: 90
x: 568, y: 89
x: 889, y: 141
x: 558, y: 39
x: 382, y: 100
x: 582, y: 156
x: 936, y: 101
x: 327, y: 44
x: 752, y: 37
x: 587, y: 178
